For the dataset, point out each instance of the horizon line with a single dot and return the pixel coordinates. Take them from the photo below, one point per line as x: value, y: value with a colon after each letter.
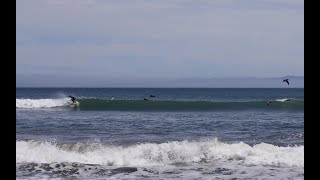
x: 159, y: 87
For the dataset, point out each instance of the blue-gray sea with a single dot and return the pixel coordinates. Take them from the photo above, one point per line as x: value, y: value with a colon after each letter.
x: 160, y: 133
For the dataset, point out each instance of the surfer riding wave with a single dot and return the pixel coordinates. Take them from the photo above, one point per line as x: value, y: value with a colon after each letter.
x: 73, y: 99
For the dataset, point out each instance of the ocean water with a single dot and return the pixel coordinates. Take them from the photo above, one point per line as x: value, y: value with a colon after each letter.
x: 181, y: 133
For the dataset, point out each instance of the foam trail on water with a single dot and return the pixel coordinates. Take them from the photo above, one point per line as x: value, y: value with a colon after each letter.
x: 159, y: 154
x: 41, y: 103
x: 283, y: 100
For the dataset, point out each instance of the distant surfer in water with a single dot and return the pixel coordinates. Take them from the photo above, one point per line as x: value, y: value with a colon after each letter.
x: 268, y: 103
x: 146, y: 99
x: 73, y: 99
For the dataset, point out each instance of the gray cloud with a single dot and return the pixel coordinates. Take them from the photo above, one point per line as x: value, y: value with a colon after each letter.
x: 167, y: 38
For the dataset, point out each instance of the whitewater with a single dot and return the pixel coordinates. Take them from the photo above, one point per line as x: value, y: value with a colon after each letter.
x: 177, y: 134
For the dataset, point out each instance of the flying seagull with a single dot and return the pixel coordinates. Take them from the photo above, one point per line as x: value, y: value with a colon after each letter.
x: 286, y: 80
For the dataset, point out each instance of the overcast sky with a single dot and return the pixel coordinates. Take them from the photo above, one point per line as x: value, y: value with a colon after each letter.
x: 160, y: 38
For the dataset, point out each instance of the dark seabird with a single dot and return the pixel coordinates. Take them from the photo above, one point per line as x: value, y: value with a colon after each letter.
x: 286, y: 80
x: 152, y: 96
x: 145, y: 99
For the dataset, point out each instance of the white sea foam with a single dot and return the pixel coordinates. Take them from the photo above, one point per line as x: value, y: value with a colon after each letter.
x: 150, y: 154
x: 283, y: 100
x: 41, y: 103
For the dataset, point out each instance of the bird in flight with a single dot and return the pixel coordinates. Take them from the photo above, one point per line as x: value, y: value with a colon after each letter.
x: 286, y: 80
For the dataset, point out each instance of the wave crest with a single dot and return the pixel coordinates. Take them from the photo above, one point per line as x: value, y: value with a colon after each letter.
x: 159, y: 154
x: 41, y: 103
x: 141, y: 105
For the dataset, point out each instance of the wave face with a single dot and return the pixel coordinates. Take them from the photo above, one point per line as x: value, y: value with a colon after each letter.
x: 141, y: 105
x: 150, y: 154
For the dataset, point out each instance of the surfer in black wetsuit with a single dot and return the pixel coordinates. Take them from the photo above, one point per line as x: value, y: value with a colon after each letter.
x: 268, y: 103
x: 73, y: 99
